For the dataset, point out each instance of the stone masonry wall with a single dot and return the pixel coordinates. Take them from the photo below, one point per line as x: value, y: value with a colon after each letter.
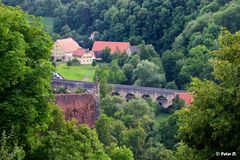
x: 82, y: 107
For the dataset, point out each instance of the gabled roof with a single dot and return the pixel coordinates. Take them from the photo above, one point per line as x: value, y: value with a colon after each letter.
x: 68, y: 44
x: 114, y: 46
x: 81, y: 51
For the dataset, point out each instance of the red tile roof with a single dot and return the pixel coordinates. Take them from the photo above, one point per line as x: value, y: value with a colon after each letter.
x: 79, y: 106
x: 81, y: 51
x: 114, y: 46
x: 68, y: 44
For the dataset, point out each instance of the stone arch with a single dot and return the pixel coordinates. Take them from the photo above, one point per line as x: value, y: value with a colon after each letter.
x: 162, y: 100
x: 129, y: 96
x: 146, y: 96
x: 116, y: 94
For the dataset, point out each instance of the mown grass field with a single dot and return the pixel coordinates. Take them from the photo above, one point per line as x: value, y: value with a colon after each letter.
x: 76, y: 72
x: 48, y: 23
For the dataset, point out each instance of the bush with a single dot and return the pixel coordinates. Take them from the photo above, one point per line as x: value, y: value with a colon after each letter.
x: 171, y: 85
x: 61, y: 90
x: 94, y: 63
x: 69, y: 63
x: 75, y: 61
x: 161, y: 109
x: 54, y: 64
x: 80, y: 90
x: 107, y: 55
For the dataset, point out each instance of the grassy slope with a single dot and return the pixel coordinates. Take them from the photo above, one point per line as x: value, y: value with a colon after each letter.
x: 78, y: 72
x: 48, y: 23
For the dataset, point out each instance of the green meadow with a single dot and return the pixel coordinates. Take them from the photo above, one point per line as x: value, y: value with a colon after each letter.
x: 76, y: 72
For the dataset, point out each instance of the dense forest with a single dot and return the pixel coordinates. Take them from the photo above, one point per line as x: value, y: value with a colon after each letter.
x: 178, y: 40
x: 182, y: 32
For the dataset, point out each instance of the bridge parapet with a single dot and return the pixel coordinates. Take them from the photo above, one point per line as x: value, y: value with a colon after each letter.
x: 74, y: 85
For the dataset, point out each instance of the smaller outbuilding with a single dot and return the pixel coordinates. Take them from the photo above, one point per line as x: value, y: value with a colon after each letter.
x: 84, y: 56
x: 133, y: 49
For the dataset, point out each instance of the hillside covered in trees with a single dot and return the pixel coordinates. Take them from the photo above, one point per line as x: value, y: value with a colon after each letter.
x: 182, y: 32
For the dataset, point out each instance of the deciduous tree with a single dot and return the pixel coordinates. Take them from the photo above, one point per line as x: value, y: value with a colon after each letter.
x: 25, y: 76
x: 211, y: 123
x: 146, y: 74
x: 116, y: 75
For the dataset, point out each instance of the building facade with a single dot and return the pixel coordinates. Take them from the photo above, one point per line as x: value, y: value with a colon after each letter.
x: 63, y: 49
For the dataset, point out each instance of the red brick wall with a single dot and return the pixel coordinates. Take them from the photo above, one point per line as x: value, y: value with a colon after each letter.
x: 79, y: 106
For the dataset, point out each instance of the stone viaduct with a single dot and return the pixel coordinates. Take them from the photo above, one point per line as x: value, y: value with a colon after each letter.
x: 163, y: 96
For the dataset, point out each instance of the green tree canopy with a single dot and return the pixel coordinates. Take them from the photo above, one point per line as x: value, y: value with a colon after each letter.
x: 101, y: 76
x: 116, y: 75
x: 10, y: 151
x: 196, y: 65
x: 172, y: 62
x: 211, y: 123
x: 128, y: 71
x: 120, y: 153
x: 25, y: 76
x: 129, y: 124
x: 71, y: 142
x: 147, y: 74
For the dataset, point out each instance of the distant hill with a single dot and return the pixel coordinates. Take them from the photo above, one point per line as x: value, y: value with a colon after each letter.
x: 165, y: 24
x: 182, y: 32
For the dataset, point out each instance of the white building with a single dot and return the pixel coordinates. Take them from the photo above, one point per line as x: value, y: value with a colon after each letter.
x: 64, y: 48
